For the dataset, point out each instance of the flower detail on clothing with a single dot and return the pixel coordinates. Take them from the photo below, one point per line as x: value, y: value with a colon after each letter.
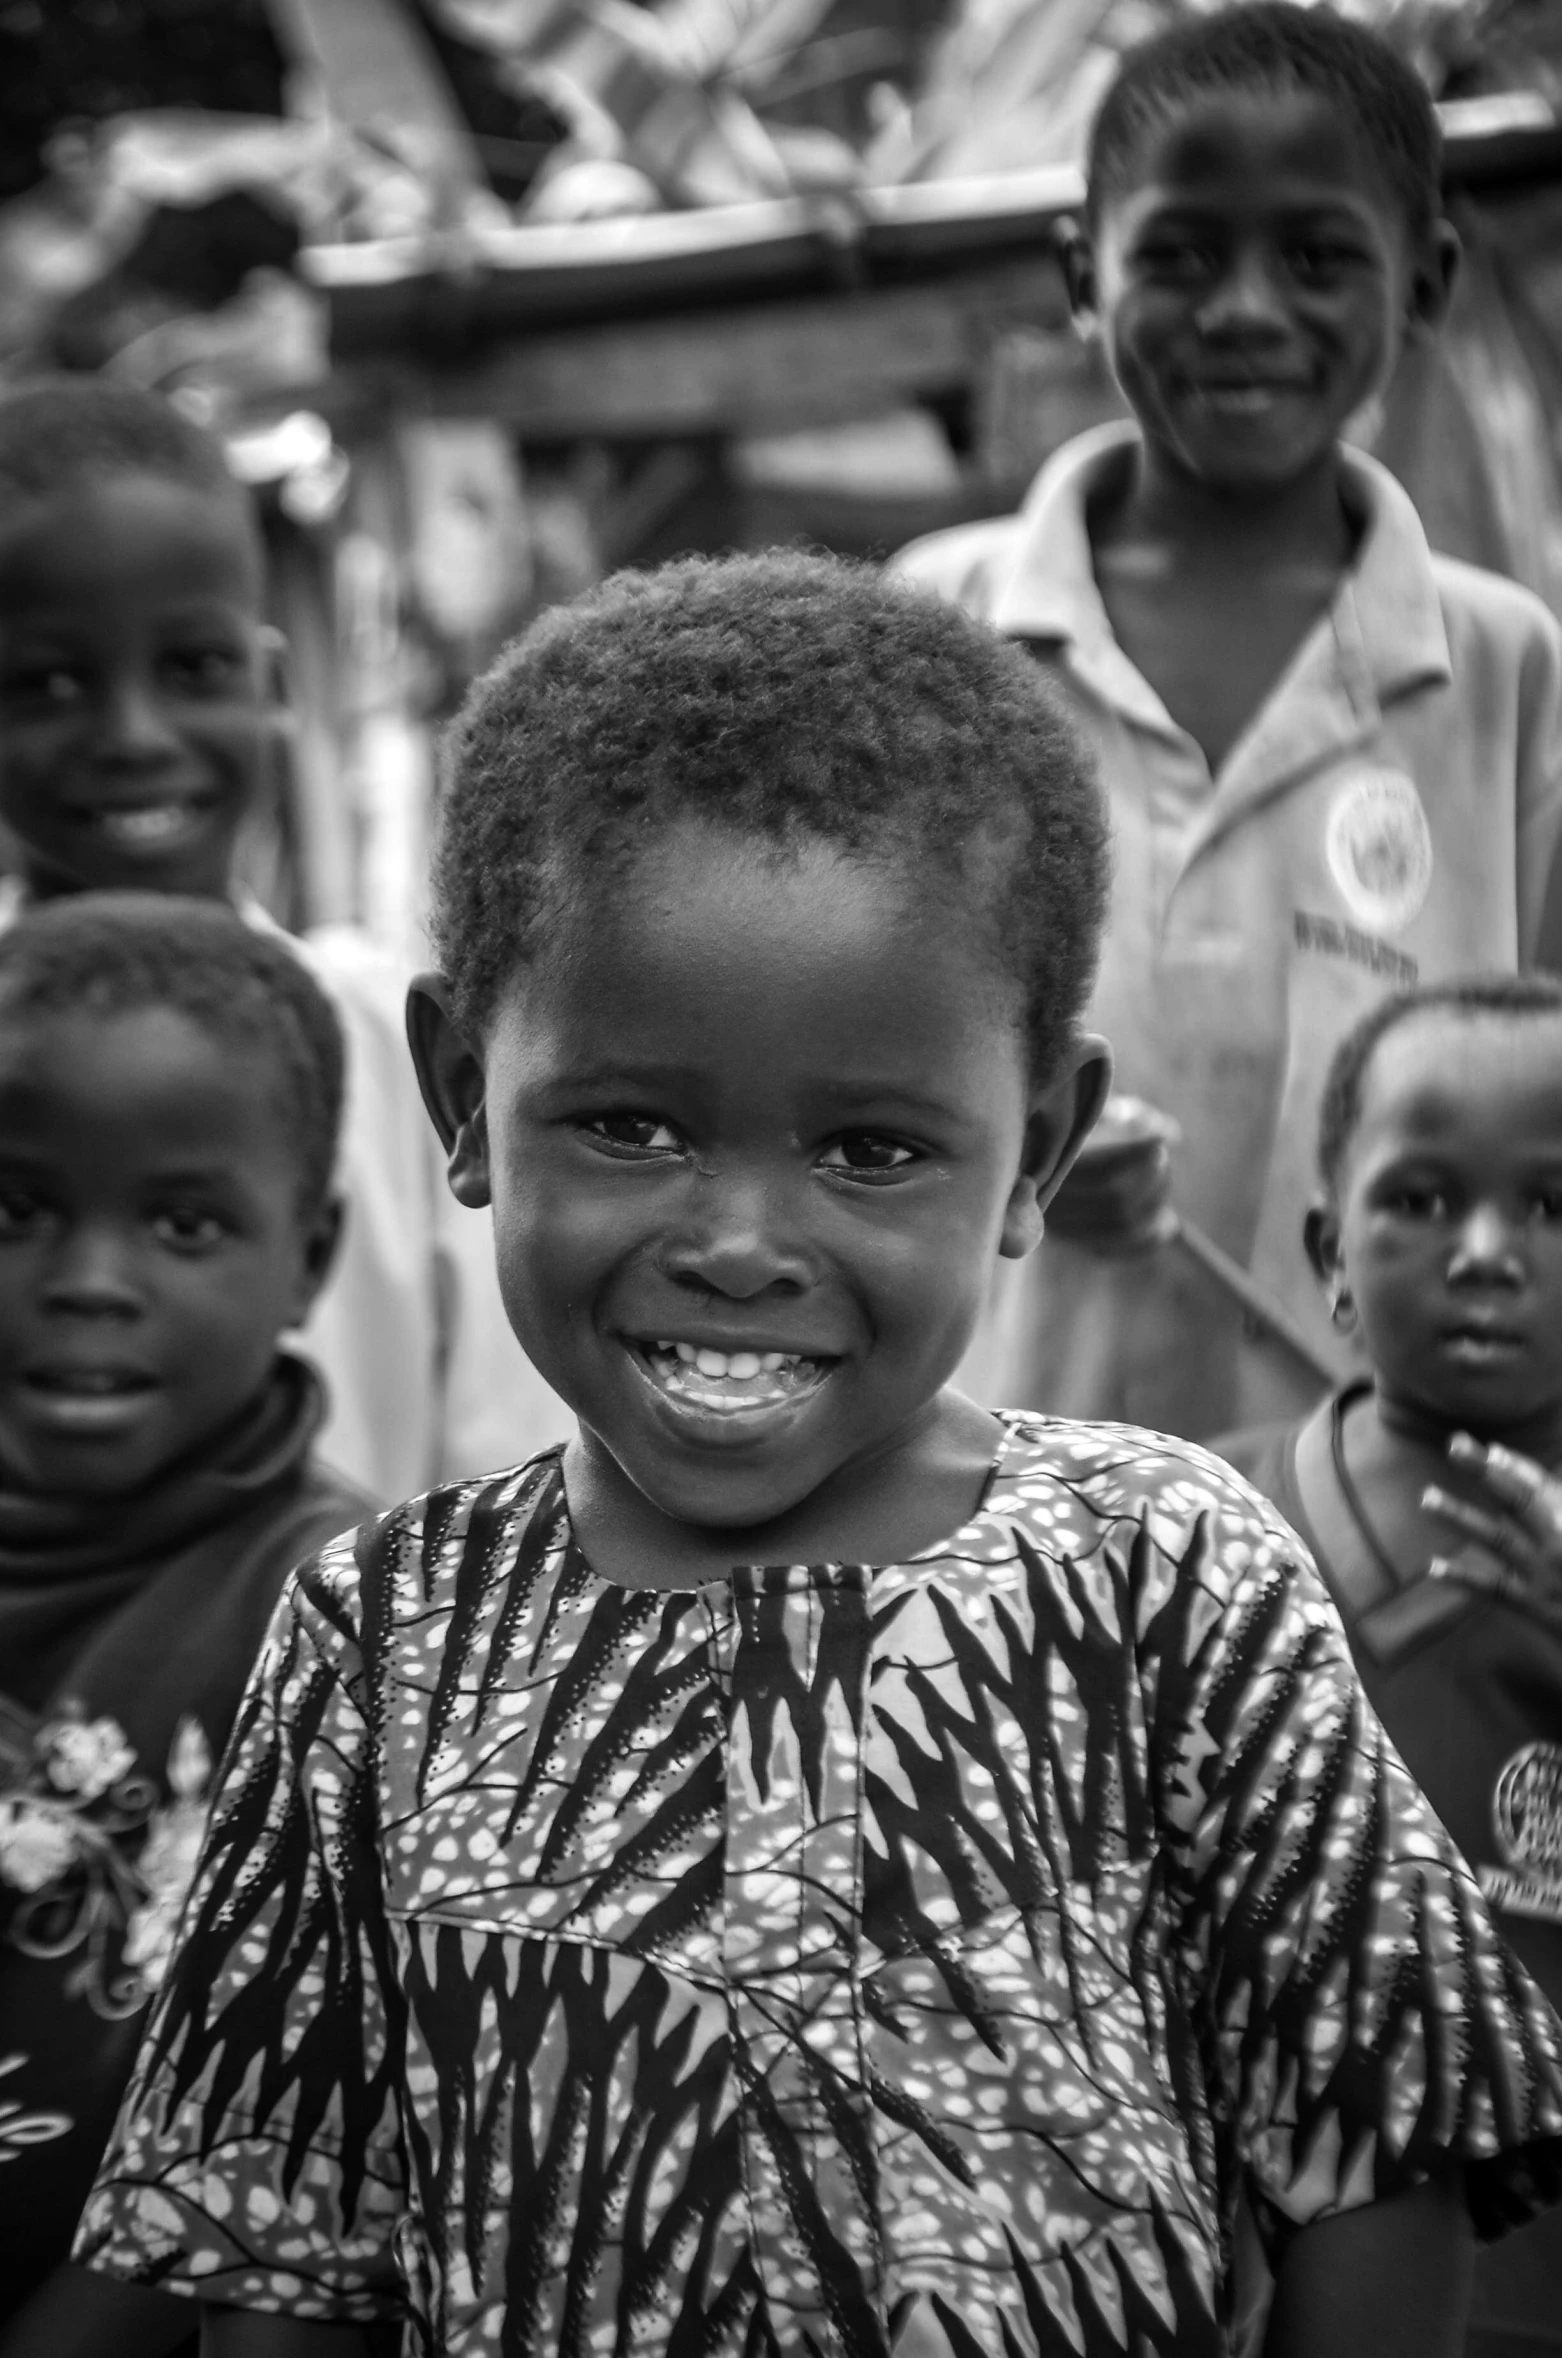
x: 827, y: 1963
x: 21, y: 2130
x: 100, y: 1865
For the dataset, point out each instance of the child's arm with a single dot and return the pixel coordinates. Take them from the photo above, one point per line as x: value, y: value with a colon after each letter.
x: 245, y: 2333
x: 1392, y: 2277
x: 75, y: 2313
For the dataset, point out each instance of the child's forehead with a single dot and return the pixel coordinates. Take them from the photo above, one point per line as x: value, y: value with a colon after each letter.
x: 130, y: 532
x: 1466, y: 1068
x: 1271, y: 134
x: 699, y: 917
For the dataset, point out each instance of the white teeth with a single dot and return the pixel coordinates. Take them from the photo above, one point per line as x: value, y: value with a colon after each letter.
x: 149, y: 825
x: 739, y: 1367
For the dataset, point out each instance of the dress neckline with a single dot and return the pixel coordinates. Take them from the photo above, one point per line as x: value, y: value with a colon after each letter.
x: 970, y: 1530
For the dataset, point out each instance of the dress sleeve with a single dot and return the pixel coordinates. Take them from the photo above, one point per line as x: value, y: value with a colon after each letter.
x: 257, y: 2162
x: 1360, y: 2025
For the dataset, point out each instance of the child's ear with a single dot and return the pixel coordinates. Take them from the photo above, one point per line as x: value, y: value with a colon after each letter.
x: 450, y: 1075
x: 1322, y: 1243
x: 1062, y: 1116
x: 1432, y: 278
x: 322, y: 1242
x: 276, y: 691
x: 1077, y: 261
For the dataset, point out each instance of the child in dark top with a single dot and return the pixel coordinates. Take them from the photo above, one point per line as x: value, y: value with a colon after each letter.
x: 1429, y: 1490
x: 170, y: 1088
x: 811, y: 1869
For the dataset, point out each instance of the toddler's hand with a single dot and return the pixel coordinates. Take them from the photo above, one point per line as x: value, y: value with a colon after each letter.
x: 1518, y: 1540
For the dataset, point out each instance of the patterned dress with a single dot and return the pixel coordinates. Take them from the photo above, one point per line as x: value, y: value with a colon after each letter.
x: 821, y: 1961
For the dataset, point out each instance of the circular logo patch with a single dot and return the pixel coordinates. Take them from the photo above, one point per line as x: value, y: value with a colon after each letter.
x: 1527, y: 1808
x: 1379, y: 848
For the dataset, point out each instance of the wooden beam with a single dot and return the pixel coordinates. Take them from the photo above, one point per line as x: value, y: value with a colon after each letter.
x: 756, y: 368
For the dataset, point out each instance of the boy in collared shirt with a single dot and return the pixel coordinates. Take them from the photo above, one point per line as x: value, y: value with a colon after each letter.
x: 1334, y: 760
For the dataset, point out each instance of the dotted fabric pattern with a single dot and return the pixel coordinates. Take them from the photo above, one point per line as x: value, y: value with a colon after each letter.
x: 828, y: 1962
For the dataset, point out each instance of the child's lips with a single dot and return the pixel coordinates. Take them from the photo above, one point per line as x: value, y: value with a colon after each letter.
x: 1476, y: 1344
x: 746, y: 1383
x: 157, y: 824
x: 87, y: 1399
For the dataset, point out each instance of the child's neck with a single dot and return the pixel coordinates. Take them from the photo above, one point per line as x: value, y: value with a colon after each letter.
x: 915, y: 1491
x: 1185, y: 570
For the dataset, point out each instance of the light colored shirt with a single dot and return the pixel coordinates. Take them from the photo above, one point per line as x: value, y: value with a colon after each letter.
x: 427, y: 1382
x: 818, y: 1963
x: 1389, y: 815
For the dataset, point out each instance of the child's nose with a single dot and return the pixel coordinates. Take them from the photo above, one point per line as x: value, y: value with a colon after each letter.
x: 1245, y: 297
x: 1485, y: 1248
x: 92, y: 1275
x: 736, y: 1238
x: 132, y: 727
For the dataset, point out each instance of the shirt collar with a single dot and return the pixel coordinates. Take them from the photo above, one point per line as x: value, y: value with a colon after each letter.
x: 1387, y: 610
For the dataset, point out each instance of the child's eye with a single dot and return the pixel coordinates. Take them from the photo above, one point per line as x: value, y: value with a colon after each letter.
x: 188, y: 1228
x: 204, y: 671
x: 866, y: 1154
x: 22, y: 1213
x: 1182, y: 260
x: 1548, y: 1203
x: 630, y: 1133
x: 1316, y: 264
x: 1416, y: 1202
x: 54, y: 686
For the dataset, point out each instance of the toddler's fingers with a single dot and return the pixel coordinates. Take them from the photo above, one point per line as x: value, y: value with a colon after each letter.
x: 1517, y: 1480
x: 1498, y: 1532
x: 1481, y: 1572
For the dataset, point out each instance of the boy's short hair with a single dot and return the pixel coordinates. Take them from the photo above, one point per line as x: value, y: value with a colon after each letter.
x: 59, y: 432
x: 1522, y: 996
x: 1274, y: 45
x: 107, y: 954
x: 793, y: 698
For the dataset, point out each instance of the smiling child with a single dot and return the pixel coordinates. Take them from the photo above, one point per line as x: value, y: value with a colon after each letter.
x: 811, y: 1867
x: 141, y: 720
x: 1437, y: 1236
x: 1333, y: 758
x: 170, y: 1085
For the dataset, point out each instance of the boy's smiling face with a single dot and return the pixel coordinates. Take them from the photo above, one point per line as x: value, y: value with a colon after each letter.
x: 151, y: 1246
x: 756, y: 1128
x: 1448, y: 1230
x: 134, y: 711
x: 1253, y: 285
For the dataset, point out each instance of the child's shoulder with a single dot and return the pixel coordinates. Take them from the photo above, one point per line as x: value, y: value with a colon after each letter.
x: 1071, y: 1489
x: 1481, y: 608
x: 416, y: 1557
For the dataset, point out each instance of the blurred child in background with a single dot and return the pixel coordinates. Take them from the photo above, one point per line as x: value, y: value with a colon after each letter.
x: 810, y: 1866
x: 1334, y: 760
x: 139, y: 714
x: 1430, y: 1489
x: 170, y: 1092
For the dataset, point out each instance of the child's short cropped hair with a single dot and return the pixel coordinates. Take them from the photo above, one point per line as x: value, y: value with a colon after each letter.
x: 1520, y: 997
x: 1273, y: 45
x: 792, y: 698
x: 109, y: 954
x: 62, y: 431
